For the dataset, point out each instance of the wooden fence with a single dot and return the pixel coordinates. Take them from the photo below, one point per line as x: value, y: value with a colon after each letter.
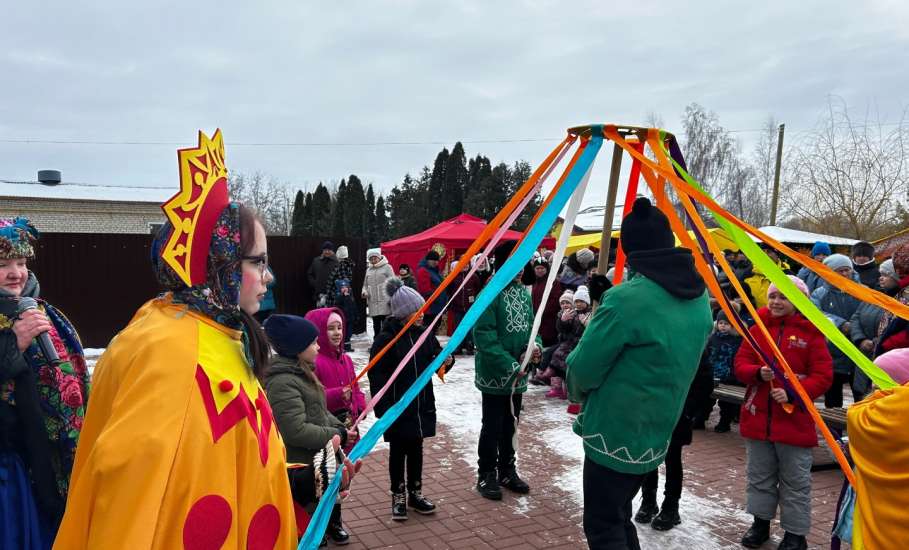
x: 100, y: 280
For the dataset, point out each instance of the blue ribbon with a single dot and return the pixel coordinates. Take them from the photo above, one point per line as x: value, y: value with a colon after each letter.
x: 502, y: 278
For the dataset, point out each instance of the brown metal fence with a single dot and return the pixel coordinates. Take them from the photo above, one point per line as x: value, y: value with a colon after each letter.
x: 100, y: 280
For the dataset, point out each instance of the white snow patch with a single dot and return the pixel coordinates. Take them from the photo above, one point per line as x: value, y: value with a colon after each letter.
x: 546, y: 429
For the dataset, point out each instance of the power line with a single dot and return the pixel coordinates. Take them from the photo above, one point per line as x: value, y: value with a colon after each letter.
x: 274, y: 144
x: 40, y: 141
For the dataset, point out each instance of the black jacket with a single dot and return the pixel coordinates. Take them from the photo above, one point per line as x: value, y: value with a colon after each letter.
x: 319, y: 271
x: 419, y: 418
x: 869, y: 274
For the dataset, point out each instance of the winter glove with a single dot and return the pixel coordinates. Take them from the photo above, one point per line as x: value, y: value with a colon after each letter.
x: 598, y: 285
x: 446, y: 366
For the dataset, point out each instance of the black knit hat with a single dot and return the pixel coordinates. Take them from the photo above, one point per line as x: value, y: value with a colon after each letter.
x: 721, y: 316
x: 404, y: 266
x: 502, y: 252
x: 328, y: 245
x: 433, y: 255
x: 645, y: 228
x: 289, y: 334
x: 863, y: 248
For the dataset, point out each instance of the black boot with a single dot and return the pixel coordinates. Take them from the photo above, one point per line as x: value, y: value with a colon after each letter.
x: 511, y: 481
x: 336, y: 531
x: 488, y: 486
x: 758, y: 534
x: 419, y: 503
x: 649, y: 508
x: 399, y: 505
x: 338, y: 534
x: 793, y: 542
x: 668, y: 516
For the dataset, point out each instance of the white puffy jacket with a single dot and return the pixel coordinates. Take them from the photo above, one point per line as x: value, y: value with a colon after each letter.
x: 377, y: 300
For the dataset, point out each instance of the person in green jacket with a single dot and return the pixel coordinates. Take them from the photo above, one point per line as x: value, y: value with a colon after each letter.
x: 501, y: 335
x: 631, y: 371
x: 297, y: 401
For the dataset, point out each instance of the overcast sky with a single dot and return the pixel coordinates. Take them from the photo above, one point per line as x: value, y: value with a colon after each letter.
x: 366, y: 72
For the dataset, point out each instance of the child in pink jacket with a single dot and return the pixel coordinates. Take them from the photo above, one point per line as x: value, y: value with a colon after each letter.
x: 335, y: 369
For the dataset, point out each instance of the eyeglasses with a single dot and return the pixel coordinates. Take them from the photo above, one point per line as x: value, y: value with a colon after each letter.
x: 260, y: 262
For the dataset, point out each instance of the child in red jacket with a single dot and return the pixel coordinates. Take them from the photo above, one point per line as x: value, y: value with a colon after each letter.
x: 778, y: 442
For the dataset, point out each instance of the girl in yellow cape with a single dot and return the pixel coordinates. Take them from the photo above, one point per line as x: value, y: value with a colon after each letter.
x: 179, y: 447
x: 879, y: 445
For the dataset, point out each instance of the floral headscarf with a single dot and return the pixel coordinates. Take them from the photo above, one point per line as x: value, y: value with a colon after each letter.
x: 61, y: 389
x: 16, y: 238
x: 219, y: 297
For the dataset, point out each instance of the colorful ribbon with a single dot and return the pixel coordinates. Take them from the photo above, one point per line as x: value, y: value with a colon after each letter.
x: 487, y: 232
x: 682, y: 187
x: 502, y: 278
x: 801, y: 302
x: 430, y: 330
x: 631, y: 194
x: 573, y: 207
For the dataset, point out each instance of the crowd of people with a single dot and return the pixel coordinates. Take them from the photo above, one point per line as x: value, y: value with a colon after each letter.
x: 635, y: 363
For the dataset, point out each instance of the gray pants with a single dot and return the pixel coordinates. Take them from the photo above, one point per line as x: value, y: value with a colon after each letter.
x: 780, y: 474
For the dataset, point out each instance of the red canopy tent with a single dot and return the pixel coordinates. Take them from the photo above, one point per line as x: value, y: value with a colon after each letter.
x: 455, y: 235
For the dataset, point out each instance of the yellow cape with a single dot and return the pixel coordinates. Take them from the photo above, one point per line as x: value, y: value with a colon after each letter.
x: 879, y: 444
x: 178, y: 449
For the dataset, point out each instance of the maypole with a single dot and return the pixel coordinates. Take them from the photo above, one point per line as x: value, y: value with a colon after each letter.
x: 667, y: 169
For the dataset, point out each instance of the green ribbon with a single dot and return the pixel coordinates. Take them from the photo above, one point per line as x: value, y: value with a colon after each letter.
x: 788, y: 288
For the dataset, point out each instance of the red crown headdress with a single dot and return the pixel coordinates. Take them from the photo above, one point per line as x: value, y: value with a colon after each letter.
x: 194, y: 210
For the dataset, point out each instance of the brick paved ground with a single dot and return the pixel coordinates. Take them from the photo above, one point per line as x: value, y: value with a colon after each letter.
x: 550, y: 517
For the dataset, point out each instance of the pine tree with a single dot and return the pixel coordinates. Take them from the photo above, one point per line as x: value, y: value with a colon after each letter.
x: 296, y: 223
x: 321, y: 211
x: 307, y: 220
x: 436, y: 182
x: 400, y: 199
x: 519, y: 174
x: 479, y: 171
x: 381, y: 222
x: 421, y: 216
x: 339, y: 218
x: 495, y: 189
x: 452, y: 192
x: 371, y: 235
x: 355, y: 209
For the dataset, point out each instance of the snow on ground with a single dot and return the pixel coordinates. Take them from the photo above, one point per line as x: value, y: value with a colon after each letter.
x: 91, y: 357
x: 546, y: 431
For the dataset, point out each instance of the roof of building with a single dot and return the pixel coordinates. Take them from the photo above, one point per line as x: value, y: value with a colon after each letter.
x: 85, y: 192
x: 591, y: 218
x: 786, y: 235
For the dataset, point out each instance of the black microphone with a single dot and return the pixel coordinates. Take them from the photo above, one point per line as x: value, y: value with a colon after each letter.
x: 44, y: 341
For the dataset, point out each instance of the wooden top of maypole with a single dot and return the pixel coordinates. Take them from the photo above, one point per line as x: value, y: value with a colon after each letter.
x: 624, y: 130
x: 633, y: 134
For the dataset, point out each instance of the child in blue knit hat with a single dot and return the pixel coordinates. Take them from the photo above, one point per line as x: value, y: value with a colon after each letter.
x: 297, y: 400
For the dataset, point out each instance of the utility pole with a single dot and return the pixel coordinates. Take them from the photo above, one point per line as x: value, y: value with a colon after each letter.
x: 776, y: 175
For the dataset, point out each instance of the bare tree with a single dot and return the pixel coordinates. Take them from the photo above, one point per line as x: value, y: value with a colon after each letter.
x: 849, y: 178
x: 759, y: 189
x: 270, y: 198
x: 710, y: 151
x: 713, y: 157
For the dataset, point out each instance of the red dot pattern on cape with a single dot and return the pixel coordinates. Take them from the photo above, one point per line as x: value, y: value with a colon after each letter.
x: 264, y: 529
x: 207, y: 524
